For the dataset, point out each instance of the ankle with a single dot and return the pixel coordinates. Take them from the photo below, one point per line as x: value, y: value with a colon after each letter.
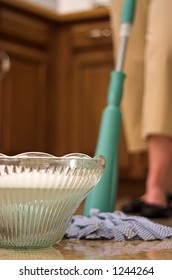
x: 155, y: 194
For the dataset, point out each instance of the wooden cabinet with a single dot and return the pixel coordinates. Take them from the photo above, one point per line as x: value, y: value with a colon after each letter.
x: 91, y: 63
x: 22, y: 100
x: 23, y: 90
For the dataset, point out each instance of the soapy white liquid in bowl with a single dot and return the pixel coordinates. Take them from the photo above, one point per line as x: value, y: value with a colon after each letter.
x: 35, y: 208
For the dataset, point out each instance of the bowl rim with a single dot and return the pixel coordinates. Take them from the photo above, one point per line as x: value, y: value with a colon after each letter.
x: 30, y: 156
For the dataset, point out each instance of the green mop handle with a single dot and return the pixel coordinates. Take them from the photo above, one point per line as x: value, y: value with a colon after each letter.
x: 127, y: 17
x: 114, y: 99
x: 103, y: 194
x: 128, y: 11
x: 117, y: 76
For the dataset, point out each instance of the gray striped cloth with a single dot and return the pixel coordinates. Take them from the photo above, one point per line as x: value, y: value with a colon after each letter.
x: 117, y: 226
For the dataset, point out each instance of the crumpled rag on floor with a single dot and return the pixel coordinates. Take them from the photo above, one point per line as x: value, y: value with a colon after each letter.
x: 117, y: 226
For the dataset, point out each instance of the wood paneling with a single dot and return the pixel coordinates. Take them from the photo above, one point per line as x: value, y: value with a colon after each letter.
x: 89, y: 95
x: 24, y: 26
x: 23, y: 97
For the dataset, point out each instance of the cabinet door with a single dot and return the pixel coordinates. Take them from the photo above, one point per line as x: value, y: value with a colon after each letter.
x: 22, y: 100
x: 91, y: 74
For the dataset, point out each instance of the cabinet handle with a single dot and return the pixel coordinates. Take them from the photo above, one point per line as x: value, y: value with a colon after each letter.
x: 5, y: 64
x: 98, y: 33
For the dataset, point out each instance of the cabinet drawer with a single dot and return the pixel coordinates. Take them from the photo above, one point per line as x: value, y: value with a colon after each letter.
x: 23, y: 26
x: 86, y: 35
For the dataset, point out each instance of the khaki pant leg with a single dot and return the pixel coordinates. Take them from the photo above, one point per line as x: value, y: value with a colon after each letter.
x: 157, y: 101
x: 134, y: 68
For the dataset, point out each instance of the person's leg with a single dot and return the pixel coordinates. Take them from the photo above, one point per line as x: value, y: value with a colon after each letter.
x: 157, y: 100
x: 159, y: 179
x: 151, y: 90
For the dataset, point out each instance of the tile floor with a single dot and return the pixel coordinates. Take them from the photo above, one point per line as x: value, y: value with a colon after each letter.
x: 100, y: 249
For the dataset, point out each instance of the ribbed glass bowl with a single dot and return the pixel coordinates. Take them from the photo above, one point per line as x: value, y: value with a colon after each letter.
x: 39, y: 193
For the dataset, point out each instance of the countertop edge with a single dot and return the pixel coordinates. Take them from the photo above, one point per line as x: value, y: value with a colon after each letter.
x: 54, y: 16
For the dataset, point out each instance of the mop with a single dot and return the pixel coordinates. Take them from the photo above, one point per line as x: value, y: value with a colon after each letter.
x: 99, y: 221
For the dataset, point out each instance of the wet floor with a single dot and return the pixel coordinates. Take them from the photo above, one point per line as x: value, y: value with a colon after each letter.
x: 98, y: 250
x: 95, y: 250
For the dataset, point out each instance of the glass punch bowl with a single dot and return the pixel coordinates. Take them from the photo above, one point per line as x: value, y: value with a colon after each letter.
x: 39, y: 193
